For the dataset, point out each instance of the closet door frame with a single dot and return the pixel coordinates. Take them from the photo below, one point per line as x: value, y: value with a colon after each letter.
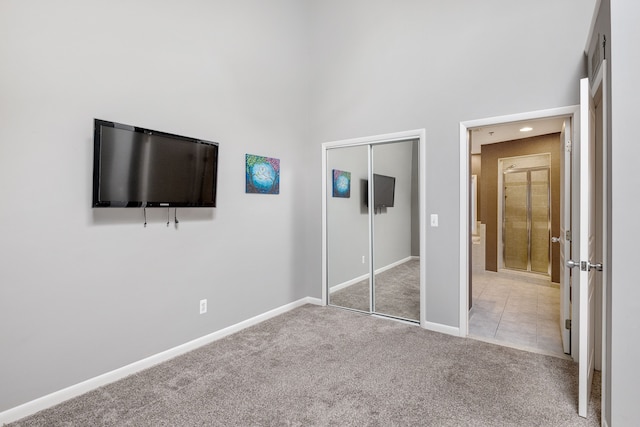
x: 419, y: 135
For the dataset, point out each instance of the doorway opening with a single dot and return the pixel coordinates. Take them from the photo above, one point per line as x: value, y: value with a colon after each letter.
x: 515, y: 298
x: 514, y: 279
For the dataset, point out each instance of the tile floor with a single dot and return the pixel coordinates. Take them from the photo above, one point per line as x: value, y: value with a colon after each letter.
x: 516, y: 310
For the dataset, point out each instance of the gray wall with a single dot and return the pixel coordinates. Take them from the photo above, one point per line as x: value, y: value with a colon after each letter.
x: 85, y: 291
x: 624, y: 289
x: 383, y: 66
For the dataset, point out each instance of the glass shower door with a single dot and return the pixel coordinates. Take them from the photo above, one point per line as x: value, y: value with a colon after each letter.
x: 540, y: 220
x: 515, y: 220
x: 526, y: 220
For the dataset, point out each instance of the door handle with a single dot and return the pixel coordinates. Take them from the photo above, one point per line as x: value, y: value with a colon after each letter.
x: 572, y: 264
x: 584, y: 265
x: 597, y: 267
x: 555, y: 240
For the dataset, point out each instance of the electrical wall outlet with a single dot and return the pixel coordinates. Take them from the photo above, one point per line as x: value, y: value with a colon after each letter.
x: 203, y: 306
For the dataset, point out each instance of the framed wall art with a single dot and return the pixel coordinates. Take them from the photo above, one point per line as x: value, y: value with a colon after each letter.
x: 262, y: 174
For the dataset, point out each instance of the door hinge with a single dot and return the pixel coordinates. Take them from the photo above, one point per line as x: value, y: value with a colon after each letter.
x: 567, y: 323
x: 567, y: 236
x: 568, y: 147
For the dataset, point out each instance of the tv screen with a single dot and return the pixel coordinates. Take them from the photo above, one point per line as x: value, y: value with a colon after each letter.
x: 383, y: 191
x: 137, y: 167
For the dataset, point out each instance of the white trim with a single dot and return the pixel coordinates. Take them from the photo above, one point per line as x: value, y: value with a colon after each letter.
x: 422, y: 214
x: 376, y: 139
x: 592, y: 27
x: 606, y: 261
x: 364, y: 276
x: 465, y: 152
x: 348, y: 283
x: 370, y: 230
x: 309, y: 300
x: 443, y: 329
x: 395, y: 264
x: 571, y: 111
x: 67, y: 393
x: 323, y: 274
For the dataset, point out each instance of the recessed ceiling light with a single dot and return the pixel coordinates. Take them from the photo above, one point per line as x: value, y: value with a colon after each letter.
x: 526, y: 129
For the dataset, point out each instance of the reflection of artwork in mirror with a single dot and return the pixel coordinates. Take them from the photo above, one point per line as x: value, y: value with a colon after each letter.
x: 263, y: 174
x: 341, y: 184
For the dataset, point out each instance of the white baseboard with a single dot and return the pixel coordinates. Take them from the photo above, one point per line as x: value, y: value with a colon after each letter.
x: 348, y: 283
x: 394, y: 264
x: 311, y: 300
x: 60, y: 396
x: 444, y: 329
x: 366, y: 276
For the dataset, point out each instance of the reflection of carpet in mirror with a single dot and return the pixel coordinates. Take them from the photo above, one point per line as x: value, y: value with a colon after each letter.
x: 397, y: 292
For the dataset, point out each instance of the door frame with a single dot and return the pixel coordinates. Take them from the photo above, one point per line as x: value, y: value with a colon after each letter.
x: 572, y: 112
x: 420, y: 136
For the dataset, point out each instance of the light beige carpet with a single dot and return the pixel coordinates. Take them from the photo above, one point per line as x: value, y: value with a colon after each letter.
x: 322, y: 366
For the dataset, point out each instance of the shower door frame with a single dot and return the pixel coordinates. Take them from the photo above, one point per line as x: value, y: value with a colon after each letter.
x: 528, y: 171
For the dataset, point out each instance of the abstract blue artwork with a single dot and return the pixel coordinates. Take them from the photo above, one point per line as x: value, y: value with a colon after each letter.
x: 263, y: 174
x: 341, y: 183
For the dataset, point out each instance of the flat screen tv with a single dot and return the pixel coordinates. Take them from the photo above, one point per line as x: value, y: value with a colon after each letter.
x: 384, y: 188
x: 137, y: 167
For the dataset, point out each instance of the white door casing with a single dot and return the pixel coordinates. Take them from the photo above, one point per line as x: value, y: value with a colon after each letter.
x: 584, y: 279
x: 565, y: 227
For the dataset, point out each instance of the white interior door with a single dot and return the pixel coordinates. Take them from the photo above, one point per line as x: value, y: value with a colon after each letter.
x: 563, y: 241
x: 584, y: 279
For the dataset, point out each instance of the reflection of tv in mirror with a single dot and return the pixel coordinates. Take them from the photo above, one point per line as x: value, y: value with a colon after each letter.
x: 383, y: 191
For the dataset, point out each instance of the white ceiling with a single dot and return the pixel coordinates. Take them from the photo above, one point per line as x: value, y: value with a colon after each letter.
x: 511, y: 131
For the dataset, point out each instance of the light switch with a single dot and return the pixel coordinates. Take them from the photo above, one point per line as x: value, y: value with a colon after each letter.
x: 434, y: 220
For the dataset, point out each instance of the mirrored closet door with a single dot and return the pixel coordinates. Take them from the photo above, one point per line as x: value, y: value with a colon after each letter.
x: 347, y: 219
x: 396, y: 282
x: 372, y: 228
